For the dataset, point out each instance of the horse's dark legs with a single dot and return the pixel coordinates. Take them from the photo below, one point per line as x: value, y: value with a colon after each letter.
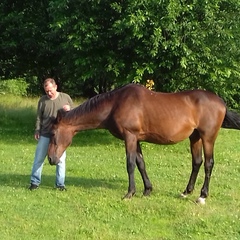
x: 208, y: 167
x: 134, y: 156
x: 142, y: 170
x: 131, y: 164
x: 196, y: 150
x: 131, y: 154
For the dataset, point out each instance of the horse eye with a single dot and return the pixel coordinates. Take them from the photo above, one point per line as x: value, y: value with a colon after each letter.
x: 52, y: 133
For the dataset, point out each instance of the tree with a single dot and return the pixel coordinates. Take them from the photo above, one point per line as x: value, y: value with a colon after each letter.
x: 93, y: 45
x: 28, y: 47
x: 178, y: 44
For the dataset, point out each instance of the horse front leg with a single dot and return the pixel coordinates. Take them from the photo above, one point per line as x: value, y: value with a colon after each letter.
x: 143, y: 172
x: 196, y: 151
x: 131, y: 164
x: 131, y: 154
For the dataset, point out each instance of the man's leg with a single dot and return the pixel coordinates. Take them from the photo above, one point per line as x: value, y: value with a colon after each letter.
x: 60, y: 172
x: 40, y: 154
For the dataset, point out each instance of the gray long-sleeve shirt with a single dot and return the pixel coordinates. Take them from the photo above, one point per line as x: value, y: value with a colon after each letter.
x: 47, y: 112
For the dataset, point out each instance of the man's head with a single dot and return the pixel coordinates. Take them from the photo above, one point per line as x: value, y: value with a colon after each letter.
x: 50, y: 88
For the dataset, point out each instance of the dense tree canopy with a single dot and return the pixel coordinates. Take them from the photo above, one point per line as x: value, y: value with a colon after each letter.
x: 93, y: 45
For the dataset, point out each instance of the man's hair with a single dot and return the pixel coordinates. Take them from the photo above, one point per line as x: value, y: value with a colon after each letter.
x: 49, y: 80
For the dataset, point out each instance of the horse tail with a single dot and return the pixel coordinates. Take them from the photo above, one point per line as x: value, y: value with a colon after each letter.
x: 231, y: 120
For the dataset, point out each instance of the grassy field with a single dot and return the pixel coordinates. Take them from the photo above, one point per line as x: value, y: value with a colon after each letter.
x: 96, y: 181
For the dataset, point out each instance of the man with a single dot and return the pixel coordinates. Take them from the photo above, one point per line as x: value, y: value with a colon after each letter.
x: 48, y: 106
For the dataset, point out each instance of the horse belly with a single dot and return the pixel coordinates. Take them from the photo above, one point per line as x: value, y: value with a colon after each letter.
x: 168, y: 134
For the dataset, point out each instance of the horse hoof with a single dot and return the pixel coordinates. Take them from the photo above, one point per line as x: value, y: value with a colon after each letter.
x: 201, y: 201
x: 147, y: 192
x: 182, y: 195
x: 128, y: 196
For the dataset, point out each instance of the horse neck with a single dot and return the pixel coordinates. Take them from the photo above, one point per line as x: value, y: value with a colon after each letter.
x: 92, y: 117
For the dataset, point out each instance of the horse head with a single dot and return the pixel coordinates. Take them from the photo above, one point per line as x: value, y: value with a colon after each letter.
x: 61, y: 138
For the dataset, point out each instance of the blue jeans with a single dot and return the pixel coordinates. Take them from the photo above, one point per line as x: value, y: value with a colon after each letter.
x: 40, y: 155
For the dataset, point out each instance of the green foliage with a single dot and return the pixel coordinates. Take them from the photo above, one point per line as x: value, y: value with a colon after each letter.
x: 28, y: 48
x: 92, y: 46
x: 177, y: 44
x: 14, y: 86
x: 96, y: 180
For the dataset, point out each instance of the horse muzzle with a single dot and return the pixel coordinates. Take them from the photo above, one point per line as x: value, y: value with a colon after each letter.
x: 53, y: 160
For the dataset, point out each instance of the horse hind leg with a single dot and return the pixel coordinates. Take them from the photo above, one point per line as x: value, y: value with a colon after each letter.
x: 208, y: 167
x: 196, y: 151
x: 142, y: 169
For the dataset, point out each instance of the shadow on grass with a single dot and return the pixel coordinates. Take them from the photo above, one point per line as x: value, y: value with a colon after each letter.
x: 93, y: 137
x: 17, y: 125
x: 23, y: 181
x: 84, y: 138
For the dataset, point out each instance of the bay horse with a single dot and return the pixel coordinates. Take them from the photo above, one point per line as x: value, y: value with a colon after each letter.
x: 133, y: 113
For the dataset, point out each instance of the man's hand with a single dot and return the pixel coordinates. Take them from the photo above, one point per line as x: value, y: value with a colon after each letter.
x: 37, y: 136
x: 67, y: 107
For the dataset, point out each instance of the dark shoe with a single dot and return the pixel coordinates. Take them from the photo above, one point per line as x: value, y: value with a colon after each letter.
x: 33, y: 187
x: 61, y: 188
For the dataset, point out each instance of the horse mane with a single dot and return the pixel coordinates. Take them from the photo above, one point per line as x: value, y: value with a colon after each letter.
x: 92, y: 103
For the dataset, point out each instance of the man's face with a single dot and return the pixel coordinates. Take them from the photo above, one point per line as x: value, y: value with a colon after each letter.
x: 51, y: 90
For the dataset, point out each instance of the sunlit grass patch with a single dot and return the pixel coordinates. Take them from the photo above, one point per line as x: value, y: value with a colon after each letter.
x: 92, y: 207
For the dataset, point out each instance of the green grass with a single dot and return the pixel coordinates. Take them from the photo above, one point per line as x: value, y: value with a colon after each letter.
x: 97, y: 179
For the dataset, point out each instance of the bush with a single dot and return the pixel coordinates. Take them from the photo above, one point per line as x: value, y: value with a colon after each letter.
x: 16, y: 86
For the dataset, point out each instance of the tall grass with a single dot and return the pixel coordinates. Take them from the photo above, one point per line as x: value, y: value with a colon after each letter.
x: 96, y: 180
